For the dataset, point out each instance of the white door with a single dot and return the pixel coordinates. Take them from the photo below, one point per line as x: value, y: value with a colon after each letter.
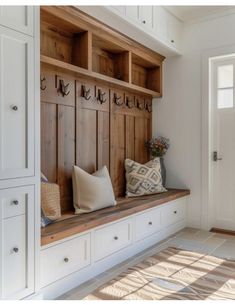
x: 222, y: 136
x: 17, y: 17
x: 146, y: 15
x: 16, y: 104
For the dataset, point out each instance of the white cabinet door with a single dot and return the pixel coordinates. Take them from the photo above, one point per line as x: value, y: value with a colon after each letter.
x: 132, y: 12
x: 174, y: 31
x: 160, y: 22
x: 16, y: 104
x: 19, y: 18
x: 146, y: 15
x: 17, y: 245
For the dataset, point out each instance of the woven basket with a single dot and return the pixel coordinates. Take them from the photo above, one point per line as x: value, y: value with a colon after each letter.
x: 50, y: 200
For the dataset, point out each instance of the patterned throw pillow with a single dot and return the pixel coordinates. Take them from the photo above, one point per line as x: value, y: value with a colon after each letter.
x: 143, y: 179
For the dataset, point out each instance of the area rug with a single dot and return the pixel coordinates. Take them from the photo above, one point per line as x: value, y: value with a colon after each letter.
x: 172, y: 274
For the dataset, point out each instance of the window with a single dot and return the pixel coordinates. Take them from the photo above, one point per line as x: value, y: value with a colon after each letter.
x: 225, y: 86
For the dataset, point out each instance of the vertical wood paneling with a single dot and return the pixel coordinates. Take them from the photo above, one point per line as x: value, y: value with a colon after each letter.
x: 130, y: 137
x: 103, y: 139
x: 118, y: 154
x: 66, y: 153
x: 141, y: 136
x: 86, y: 139
x: 49, y: 141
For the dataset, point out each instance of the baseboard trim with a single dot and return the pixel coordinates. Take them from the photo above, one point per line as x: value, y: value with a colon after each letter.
x: 223, y: 231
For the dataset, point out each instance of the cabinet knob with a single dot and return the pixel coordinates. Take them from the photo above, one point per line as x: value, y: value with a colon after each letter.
x: 15, y: 202
x: 15, y: 108
x: 15, y: 249
x: 66, y: 259
x: 150, y: 223
x: 116, y: 237
x: 143, y: 21
x: 175, y: 212
x: 172, y: 41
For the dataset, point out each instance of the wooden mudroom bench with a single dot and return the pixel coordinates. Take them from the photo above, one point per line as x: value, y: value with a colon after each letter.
x: 71, y: 224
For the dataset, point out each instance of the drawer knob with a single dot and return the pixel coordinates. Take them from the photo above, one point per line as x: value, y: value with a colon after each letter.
x: 150, y: 223
x: 116, y: 237
x: 175, y: 212
x: 66, y: 259
x: 172, y: 41
x: 15, y: 202
x: 143, y: 21
x: 15, y: 249
x: 15, y: 108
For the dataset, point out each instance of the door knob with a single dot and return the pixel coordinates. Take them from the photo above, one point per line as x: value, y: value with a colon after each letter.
x: 215, y: 156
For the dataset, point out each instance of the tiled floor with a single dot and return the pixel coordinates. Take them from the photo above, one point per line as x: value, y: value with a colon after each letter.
x: 190, y: 239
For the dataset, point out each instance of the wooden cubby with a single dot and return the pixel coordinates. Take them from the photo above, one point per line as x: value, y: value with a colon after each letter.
x: 145, y: 74
x: 72, y: 41
x: 110, y: 59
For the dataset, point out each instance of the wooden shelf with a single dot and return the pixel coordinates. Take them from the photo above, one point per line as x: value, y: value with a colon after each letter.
x: 97, y: 76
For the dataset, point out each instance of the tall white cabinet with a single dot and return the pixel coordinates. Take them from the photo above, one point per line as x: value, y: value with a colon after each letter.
x: 19, y: 151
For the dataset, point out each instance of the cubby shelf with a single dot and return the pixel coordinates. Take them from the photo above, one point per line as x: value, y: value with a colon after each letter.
x: 94, y: 75
x: 88, y: 49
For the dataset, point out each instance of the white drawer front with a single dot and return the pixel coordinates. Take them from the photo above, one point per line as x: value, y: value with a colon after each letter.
x: 112, y: 238
x: 173, y: 212
x: 65, y: 258
x: 14, y: 201
x: 14, y: 256
x: 147, y: 223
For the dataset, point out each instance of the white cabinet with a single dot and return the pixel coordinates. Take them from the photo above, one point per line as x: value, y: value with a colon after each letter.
x: 19, y: 18
x: 16, y: 104
x: 65, y: 258
x: 147, y: 224
x: 173, y: 212
x: 112, y: 238
x: 160, y: 22
x: 174, y: 29
x: 17, y: 242
x: 146, y: 16
x: 132, y: 12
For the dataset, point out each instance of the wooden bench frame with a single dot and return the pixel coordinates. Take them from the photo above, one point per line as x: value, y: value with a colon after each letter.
x: 72, y: 224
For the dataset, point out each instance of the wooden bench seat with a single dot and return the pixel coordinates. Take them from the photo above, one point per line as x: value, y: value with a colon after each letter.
x: 71, y: 224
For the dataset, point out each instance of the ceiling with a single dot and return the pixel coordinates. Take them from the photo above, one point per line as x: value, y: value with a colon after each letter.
x: 193, y: 13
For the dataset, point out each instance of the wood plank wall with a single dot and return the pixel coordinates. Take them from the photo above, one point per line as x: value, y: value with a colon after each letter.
x: 90, y: 132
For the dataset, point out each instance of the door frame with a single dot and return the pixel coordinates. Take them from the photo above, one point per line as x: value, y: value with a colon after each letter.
x: 206, y: 141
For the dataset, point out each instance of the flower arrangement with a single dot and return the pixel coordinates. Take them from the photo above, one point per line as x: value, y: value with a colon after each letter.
x: 158, y: 146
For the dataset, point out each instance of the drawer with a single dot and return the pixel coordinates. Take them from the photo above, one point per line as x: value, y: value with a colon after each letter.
x: 14, y: 201
x: 112, y: 238
x: 147, y: 223
x: 14, y: 256
x: 65, y: 258
x: 173, y: 212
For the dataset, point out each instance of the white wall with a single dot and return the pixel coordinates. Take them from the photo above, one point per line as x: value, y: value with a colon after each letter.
x: 178, y: 114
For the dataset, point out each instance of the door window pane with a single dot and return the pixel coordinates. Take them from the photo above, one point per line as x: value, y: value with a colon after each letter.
x: 225, y: 76
x: 225, y: 98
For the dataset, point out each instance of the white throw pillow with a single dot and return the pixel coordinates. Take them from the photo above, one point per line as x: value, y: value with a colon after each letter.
x: 92, y: 192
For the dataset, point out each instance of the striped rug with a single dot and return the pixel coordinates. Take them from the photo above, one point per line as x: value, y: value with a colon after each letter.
x: 173, y: 274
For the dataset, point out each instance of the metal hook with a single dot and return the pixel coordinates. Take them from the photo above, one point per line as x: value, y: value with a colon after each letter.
x: 117, y: 99
x: 63, y: 88
x: 41, y: 81
x: 130, y: 104
x: 149, y: 107
x: 140, y: 105
x: 85, y: 93
x: 101, y: 96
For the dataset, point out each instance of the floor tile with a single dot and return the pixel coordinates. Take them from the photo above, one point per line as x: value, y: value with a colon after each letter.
x: 226, y: 250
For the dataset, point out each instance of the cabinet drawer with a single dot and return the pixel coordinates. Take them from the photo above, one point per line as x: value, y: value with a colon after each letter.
x: 173, y: 212
x: 65, y: 258
x: 112, y: 238
x: 14, y: 201
x: 17, y: 17
x: 14, y: 255
x: 147, y: 224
